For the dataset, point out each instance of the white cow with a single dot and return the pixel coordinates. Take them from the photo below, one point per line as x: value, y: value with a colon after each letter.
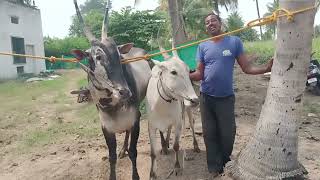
x: 169, y: 87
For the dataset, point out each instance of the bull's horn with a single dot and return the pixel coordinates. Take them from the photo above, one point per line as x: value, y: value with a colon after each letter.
x: 86, y: 29
x: 164, y: 54
x: 104, y: 31
x: 85, y: 68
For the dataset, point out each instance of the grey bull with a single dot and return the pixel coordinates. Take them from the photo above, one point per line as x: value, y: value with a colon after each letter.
x: 116, y: 89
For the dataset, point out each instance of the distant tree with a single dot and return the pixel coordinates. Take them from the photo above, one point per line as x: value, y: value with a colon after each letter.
x: 234, y: 21
x: 317, y: 31
x: 93, y: 19
x: 139, y: 27
x: 89, y: 5
x: 58, y: 47
x: 271, y: 8
x: 125, y: 26
x: 258, y: 12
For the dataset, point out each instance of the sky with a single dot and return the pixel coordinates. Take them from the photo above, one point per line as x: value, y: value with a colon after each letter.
x: 56, y: 14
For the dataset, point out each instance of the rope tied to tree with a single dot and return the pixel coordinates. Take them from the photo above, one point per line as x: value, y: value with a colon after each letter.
x: 257, y: 22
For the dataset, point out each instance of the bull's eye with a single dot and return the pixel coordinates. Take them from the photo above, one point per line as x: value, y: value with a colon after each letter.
x: 98, y: 57
x: 174, y: 72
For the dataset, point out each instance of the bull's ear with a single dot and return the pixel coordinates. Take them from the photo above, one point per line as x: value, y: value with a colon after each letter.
x: 78, y: 54
x: 159, y: 64
x: 125, y: 48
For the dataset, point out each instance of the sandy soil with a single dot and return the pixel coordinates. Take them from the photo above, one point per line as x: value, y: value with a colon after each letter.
x: 79, y: 158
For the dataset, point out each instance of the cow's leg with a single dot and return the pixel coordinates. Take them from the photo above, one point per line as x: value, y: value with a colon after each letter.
x: 191, y: 122
x: 124, y: 149
x: 112, y: 146
x: 168, y: 135
x: 177, y: 170
x: 133, y: 146
x: 164, y: 145
x: 153, y: 142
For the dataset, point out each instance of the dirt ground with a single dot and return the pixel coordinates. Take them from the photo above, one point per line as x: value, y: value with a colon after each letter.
x: 86, y: 158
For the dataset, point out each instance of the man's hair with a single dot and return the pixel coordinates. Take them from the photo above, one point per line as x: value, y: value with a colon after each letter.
x: 212, y: 14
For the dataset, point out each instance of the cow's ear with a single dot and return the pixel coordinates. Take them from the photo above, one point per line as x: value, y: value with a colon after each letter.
x: 125, y: 48
x: 78, y: 54
x: 159, y: 64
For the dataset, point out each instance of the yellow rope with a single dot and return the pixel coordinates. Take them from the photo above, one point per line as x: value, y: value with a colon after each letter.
x: 257, y: 22
x: 51, y: 59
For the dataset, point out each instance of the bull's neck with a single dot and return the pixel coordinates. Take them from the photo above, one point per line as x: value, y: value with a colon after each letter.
x: 164, y: 92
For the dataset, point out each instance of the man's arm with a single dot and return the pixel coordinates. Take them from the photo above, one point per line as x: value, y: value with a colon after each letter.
x: 198, y: 74
x: 249, y: 68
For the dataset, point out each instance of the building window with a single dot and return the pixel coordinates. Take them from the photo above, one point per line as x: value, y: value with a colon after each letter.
x: 18, y: 48
x: 14, y: 20
x: 20, y: 69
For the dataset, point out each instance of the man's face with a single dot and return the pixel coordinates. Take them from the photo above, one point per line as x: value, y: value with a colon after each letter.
x: 213, y: 25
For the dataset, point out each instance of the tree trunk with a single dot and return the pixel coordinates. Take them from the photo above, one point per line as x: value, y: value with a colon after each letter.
x: 179, y: 34
x: 258, y: 11
x: 272, y: 153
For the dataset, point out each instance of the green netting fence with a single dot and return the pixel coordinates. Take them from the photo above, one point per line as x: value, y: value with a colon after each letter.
x: 64, y: 65
x: 188, y: 55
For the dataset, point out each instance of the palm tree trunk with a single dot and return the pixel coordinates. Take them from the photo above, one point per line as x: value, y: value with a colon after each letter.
x: 179, y: 34
x: 272, y: 153
x: 258, y: 11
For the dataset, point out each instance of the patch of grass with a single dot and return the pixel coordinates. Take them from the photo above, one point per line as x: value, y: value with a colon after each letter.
x: 82, y: 82
x: 311, y: 108
x: 266, y: 49
x: 86, y: 125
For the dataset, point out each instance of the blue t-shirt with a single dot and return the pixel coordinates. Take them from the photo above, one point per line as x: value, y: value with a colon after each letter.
x: 218, y: 59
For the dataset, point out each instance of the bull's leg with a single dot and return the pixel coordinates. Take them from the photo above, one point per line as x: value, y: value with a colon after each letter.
x: 191, y: 122
x: 112, y: 146
x: 153, y: 141
x: 177, y: 170
x: 168, y: 135
x: 164, y: 144
x: 133, y: 146
x: 124, y: 148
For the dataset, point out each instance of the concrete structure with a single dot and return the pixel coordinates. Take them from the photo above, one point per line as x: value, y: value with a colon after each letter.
x: 20, y: 32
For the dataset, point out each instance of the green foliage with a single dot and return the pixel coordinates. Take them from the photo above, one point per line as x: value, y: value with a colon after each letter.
x: 125, y: 26
x: 194, y: 13
x: 317, y: 31
x: 62, y: 48
x: 58, y: 47
x: 234, y: 21
x: 139, y: 27
x: 271, y: 28
x: 89, y: 5
x: 93, y: 20
x: 265, y: 49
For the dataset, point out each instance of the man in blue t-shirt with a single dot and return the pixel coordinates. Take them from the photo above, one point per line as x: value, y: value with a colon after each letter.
x: 216, y: 60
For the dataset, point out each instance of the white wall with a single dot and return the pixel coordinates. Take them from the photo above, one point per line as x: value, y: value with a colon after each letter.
x: 29, y: 28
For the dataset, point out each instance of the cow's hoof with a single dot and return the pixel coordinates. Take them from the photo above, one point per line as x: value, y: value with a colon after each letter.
x: 176, y: 171
x: 188, y: 158
x: 122, y: 153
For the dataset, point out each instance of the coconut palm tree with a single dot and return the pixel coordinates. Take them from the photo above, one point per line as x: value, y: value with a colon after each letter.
x: 258, y: 11
x: 272, y: 152
x: 232, y: 4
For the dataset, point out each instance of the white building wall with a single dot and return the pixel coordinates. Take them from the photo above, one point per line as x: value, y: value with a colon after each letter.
x: 29, y: 28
